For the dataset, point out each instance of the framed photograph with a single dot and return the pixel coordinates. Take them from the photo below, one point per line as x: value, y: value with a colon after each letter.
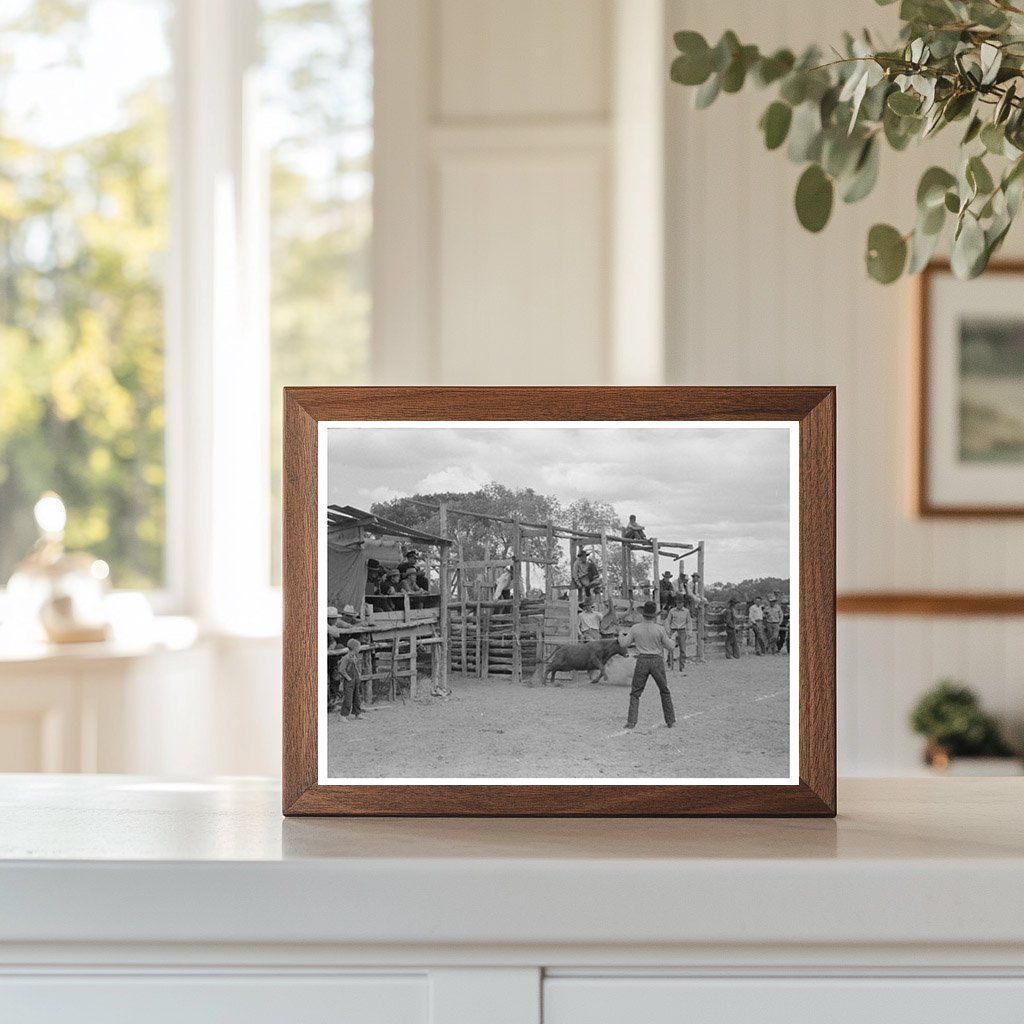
x: 971, y: 393
x: 559, y: 601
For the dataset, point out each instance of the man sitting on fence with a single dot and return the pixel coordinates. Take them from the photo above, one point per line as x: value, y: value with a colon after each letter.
x: 666, y: 591
x: 585, y: 573
x: 633, y: 530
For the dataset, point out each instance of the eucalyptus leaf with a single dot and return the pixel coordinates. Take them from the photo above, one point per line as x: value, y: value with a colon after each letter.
x: 865, y: 173
x: 707, y: 93
x: 904, y: 103
x: 991, y: 60
x: 978, y: 176
x: 886, y: 253
x: 814, y: 196
x: 968, y: 247
x: 931, y: 190
x: 724, y: 51
x: 805, y: 133
x: 775, y: 124
x: 771, y: 69
x: 987, y: 15
x: 922, y: 247
x: 794, y: 88
x: 993, y: 138
x: 973, y: 130
x: 1005, y: 105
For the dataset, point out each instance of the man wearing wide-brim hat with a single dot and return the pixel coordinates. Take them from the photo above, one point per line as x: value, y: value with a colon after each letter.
x: 651, y: 640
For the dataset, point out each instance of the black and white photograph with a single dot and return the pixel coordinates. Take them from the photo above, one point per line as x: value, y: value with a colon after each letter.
x: 542, y: 602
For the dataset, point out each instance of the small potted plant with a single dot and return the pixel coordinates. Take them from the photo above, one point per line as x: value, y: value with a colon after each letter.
x: 950, y: 717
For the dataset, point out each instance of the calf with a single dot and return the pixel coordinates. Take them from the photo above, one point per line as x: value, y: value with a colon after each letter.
x: 590, y: 656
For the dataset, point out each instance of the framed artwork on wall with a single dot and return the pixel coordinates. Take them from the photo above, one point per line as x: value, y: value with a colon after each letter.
x: 970, y: 450
x: 559, y: 601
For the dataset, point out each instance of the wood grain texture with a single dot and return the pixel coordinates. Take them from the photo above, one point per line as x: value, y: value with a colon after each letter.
x: 925, y: 603
x: 926, y: 507
x: 813, y: 407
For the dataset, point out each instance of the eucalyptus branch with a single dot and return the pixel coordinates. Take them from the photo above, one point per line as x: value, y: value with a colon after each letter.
x: 833, y: 118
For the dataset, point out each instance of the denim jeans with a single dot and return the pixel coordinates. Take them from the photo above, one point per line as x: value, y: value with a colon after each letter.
x: 650, y: 665
x: 351, y: 702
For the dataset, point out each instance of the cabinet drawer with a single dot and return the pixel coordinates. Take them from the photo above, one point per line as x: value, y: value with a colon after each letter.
x: 660, y: 1000
x: 205, y: 999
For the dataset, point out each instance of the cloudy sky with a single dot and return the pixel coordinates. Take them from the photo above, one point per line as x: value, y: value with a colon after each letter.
x: 726, y: 486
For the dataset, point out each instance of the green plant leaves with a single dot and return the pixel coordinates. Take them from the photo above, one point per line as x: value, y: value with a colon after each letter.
x: 814, y: 196
x: 957, y: 60
x: 887, y: 253
x: 865, y: 173
x: 904, y: 103
x: 775, y: 122
x: 693, y: 65
x: 932, y: 189
x: 969, y: 254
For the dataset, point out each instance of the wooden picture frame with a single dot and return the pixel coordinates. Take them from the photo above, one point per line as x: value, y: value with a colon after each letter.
x: 809, y: 415
x: 946, y: 483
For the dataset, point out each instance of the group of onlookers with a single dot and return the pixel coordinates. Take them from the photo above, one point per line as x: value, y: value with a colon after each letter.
x: 769, y: 623
x: 410, y: 576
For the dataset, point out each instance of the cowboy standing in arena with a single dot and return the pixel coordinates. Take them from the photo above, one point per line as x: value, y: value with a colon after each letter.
x: 651, y: 640
x: 677, y: 622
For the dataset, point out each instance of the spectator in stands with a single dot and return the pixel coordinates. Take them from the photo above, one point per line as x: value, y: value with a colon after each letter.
x: 374, y: 572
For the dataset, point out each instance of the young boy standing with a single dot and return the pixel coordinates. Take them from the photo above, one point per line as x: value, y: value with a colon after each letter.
x: 349, y: 679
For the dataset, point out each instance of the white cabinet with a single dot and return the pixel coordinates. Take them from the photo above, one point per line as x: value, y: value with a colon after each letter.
x: 130, y: 898
x: 202, y: 999
x: 828, y: 1000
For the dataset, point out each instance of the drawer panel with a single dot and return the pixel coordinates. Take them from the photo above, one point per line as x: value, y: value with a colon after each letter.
x: 202, y: 999
x: 662, y: 1000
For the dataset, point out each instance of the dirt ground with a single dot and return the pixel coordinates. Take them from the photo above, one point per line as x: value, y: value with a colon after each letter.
x: 732, y: 722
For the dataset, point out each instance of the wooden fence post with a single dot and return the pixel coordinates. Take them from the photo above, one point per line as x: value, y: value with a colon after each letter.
x: 699, y: 595
x: 446, y: 588
x: 517, y: 556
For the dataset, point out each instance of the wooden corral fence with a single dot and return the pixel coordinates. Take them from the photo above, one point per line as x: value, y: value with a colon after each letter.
x: 508, y: 634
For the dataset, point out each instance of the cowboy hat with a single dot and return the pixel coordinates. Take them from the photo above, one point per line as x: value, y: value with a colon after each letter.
x: 332, y: 612
x: 650, y: 610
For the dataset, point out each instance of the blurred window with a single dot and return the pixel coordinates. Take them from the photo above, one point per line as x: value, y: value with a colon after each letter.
x: 317, y: 127
x: 83, y: 238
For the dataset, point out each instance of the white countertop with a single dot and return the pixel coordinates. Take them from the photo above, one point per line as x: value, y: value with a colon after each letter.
x: 122, y: 859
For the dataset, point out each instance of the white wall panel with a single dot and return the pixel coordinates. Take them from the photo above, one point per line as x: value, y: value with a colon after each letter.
x: 527, y: 58
x: 522, y: 284
x: 754, y: 299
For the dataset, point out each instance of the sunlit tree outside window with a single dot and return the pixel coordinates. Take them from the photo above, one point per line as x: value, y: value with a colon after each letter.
x: 317, y: 121
x: 83, y: 238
